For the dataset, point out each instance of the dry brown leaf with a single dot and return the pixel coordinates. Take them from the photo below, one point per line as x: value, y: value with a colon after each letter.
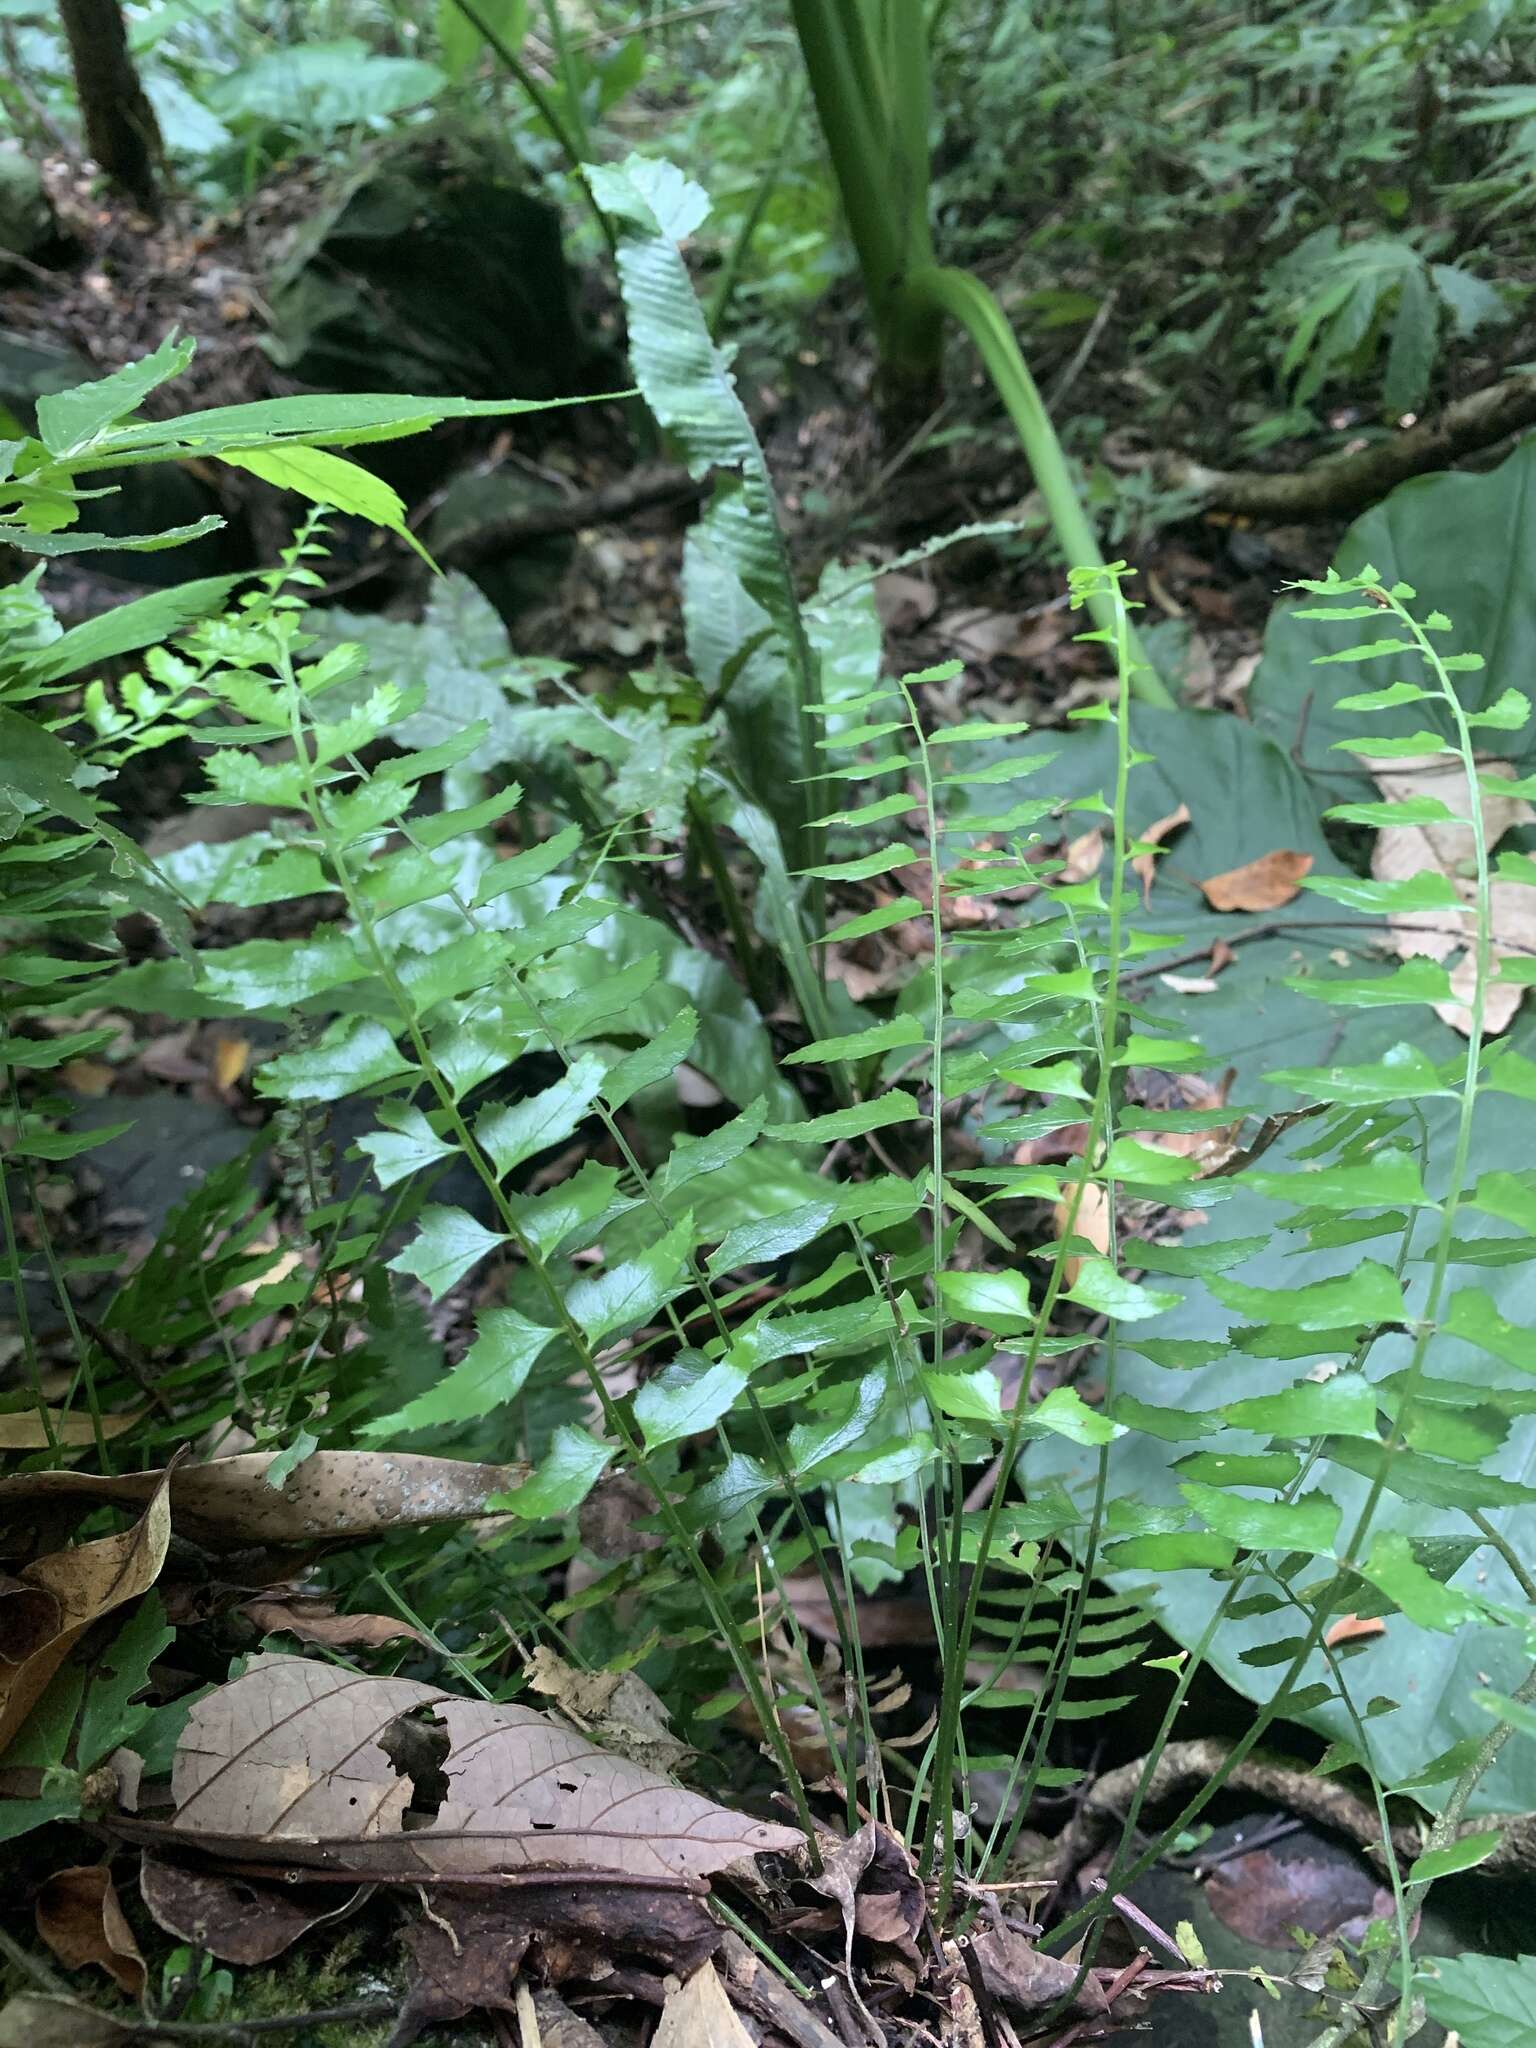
x: 235, y: 1920
x: 1263, y: 884
x: 1404, y: 851
x: 698, y: 2014
x: 79, y: 1917
x: 84, y: 1583
x: 1144, y: 865
x: 288, y: 1763
x: 315, y: 1620
x: 333, y: 1497
x: 23, y: 1430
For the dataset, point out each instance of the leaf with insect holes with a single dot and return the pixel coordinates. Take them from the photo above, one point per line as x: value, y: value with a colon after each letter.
x: 293, y: 1764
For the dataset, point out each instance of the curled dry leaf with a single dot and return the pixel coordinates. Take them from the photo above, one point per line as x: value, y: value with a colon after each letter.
x: 82, y: 1583
x: 283, y: 1610
x: 288, y: 1764
x: 80, y: 1918
x: 1144, y: 865
x: 1448, y: 848
x: 1263, y: 884
x: 1082, y: 856
x: 617, y: 1708
x: 333, y: 1497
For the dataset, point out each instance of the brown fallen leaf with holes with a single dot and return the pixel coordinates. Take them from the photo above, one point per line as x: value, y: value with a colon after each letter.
x: 1448, y: 848
x: 1267, y: 883
x: 54, y: 1600
x: 226, y: 1504
x: 79, y: 1917
x: 316, y: 1767
x: 1144, y: 865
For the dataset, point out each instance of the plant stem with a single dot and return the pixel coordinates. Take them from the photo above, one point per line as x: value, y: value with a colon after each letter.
x: 967, y: 300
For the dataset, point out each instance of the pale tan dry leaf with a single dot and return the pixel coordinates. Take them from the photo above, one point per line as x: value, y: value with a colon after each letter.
x: 1222, y: 955
x: 979, y: 634
x: 80, y: 1918
x: 1082, y: 857
x: 288, y: 1763
x: 231, y: 1057
x: 1404, y: 851
x: 1144, y: 865
x: 24, y: 1431
x: 84, y: 1583
x: 91, y: 1078
x: 1263, y: 884
x: 1091, y: 1223
x: 616, y: 1708
x: 32, y: 2021
x: 333, y: 1497
x: 698, y: 2014
x: 904, y: 601
x: 1189, y: 984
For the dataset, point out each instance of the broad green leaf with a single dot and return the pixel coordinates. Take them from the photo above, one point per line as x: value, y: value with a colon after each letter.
x: 447, y: 1244
x: 993, y: 1301
x: 620, y: 1298
x: 68, y: 422
x: 1393, y: 1568
x: 405, y: 1146
x: 490, y: 1374
x: 1193, y: 1550
x: 1509, y: 1196
x: 563, y: 1478
x: 687, y: 1397
x: 1064, y: 1412
x: 867, y: 865
x: 1465, y: 1854
x: 887, y: 1037
x: 350, y: 1055
x: 1100, y: 1287
x: 1310, y: 1524
x: 513, y: 1132
x: 1387, y: 1179
x: 1370, y: 1294
x: 110, y: 1716
x: 1489, y: 2001
x: 894, y: 1107
x: 1194, y: 1255
x: 1402, y: 1074
x: 1425, y: 891
x: 1342, y: 1406
x: 329, y: 480
x: 266, y: 974
x: 1233, y: 1468
x: 812, y: 1443
x: 968, y: 1396
x: 1474, y: 1317
x: 656, y: 1061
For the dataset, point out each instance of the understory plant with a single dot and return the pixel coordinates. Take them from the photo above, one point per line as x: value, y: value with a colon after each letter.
x: 833, y: 1330
x: 868, y: 63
